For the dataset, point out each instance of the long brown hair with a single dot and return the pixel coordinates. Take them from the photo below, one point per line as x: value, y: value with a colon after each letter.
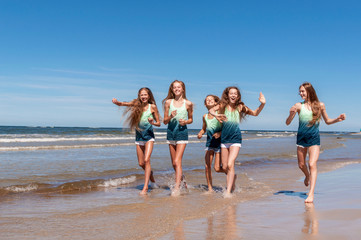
x: 314, y: 102
x: 225, y: 102
x: 136, y: 109
x: 170, y: 91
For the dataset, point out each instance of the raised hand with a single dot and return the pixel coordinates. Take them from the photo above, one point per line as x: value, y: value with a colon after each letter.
x: 261, y: 98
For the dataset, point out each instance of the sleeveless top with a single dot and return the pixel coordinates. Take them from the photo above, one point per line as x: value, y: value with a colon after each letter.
x: 307, y: 135
x: 231, y: 133
x: 213, y: 126
x: 145, y: 129
x: 176, y: 132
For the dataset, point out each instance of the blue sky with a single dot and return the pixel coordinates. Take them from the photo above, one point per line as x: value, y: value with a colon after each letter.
x: 61, y: 62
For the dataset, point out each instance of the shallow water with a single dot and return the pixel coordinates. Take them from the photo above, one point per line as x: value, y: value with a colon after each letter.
x: 83, y: 175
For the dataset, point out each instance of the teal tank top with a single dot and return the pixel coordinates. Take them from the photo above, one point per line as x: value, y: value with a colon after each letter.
x: 176, y: 132
x: 213, y: 126
x: 145, y: 131
x: 307, y: 135
x: 231, y: 133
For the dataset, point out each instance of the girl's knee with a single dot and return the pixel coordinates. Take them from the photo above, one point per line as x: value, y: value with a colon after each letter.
x: 207, y: 166
x: 313, y: 165
x: 301, y: 165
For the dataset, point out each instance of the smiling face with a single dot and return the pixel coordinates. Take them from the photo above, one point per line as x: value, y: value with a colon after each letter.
x: 144, y: 96
x: 210, y: 102
x: 177, y: 89
x: 303, y: 93
x: 233, y: 95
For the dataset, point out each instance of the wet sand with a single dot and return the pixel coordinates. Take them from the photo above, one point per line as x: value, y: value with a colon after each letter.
x: 335, y: 213
x: 268, y: 202
x: 279, y: 214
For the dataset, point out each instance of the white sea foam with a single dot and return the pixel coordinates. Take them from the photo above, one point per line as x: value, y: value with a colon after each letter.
x: 61, y: 139
x: 19, y: 189
x: 118, y: 181
x: 57, y: 147
x: 275, y: 134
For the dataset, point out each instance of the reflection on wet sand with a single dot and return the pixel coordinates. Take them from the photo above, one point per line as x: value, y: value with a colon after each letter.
x: 311, y: 220
x: 223, y: 226
x: 179, y: 231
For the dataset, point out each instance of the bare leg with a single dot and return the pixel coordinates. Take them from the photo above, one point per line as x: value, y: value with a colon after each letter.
x: 217, y: 163
x: 301, y: 156
x: 144, y: 153
x: 176, y: 152
x: 233, y: 153
x: 208, y: 169
x: 224, y: 159
x: 314, y: 153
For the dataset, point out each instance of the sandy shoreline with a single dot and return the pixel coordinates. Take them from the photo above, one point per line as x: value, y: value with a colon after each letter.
x: 280, y: 214
x: 335, y: 214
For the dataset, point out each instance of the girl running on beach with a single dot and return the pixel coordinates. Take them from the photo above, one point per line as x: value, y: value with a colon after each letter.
x: 231, y: 110
x: 308, y: 136
x: 143, y: 114
x: 213, y: 128
x: 178, y: 112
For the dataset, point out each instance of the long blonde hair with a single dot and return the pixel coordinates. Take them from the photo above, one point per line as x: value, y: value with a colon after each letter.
x: 170, y: 91
x: 314, y: 102
x: 225, y: 102
x: 136, y: 109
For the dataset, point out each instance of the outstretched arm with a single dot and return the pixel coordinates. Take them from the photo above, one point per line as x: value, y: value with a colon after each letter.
x: 203, y: 130
x: 256, y: 112
x: 220, y: 117
x: 126, y: 104
x: 294, y: 109
x: 328, y: 120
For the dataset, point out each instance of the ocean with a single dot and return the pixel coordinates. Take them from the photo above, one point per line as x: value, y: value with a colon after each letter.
x: 48, y: 171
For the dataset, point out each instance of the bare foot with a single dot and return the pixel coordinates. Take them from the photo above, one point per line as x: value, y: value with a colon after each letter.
x: 309, y: 199
x: 307, y: 181
x: 227, y: 195
x: 175, y: 193
x: 234, y: 183
x: 144, y: 192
